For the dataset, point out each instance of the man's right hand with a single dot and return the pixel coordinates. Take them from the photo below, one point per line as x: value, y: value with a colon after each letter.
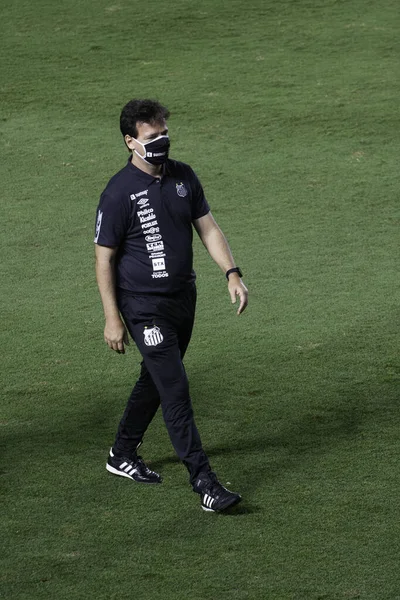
x: 116, y: 335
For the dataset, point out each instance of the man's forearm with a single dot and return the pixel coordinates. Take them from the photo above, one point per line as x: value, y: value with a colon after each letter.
x: 218, y: 248
x: 105, y: 275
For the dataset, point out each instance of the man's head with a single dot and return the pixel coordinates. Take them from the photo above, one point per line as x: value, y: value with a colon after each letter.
x: 143, y: 121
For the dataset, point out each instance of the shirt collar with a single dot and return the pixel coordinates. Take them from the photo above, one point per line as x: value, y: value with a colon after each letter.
x: 146, y: 176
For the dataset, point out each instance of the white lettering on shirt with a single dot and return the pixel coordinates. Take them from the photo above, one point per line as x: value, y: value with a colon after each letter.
x: 146, y: 225
x: 146, y: 218
x: 158, y: 264
x: 155, y: 246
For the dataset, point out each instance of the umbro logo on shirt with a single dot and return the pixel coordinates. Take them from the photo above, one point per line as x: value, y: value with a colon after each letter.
x: 143, y: 200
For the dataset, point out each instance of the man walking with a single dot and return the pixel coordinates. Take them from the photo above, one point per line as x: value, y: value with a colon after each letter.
x: 144, y: 273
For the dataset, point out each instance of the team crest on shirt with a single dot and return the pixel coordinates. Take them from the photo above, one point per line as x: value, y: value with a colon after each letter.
x: 152, y: 336
x: 181, y: 190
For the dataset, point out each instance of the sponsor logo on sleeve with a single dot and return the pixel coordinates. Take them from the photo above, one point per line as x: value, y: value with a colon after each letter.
x: 98, y: 226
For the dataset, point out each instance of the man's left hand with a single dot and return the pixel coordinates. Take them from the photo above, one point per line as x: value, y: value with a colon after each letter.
x: 236, y: 289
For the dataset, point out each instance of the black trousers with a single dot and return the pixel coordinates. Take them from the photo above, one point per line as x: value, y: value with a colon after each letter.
x: 161, y: 327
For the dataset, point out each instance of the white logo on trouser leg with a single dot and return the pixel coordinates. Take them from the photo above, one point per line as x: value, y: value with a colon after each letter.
x: 153, y: 336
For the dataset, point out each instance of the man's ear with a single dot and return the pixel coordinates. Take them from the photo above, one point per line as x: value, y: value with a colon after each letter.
x: 130, y: 142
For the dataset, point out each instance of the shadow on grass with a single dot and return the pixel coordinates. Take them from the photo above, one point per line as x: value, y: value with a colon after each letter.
x: 339, y: 420
x: 241, y: 510
x: 262, y: 452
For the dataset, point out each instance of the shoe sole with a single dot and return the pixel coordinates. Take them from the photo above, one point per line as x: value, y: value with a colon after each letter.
x: 229, y: 505
x: 114, y: 471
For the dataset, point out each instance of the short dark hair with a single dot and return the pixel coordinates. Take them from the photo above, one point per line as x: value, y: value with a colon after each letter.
x: 141, y: 111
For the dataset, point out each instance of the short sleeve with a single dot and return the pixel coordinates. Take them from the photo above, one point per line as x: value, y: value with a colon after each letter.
x: 112, y: 221
x: 200, y: 205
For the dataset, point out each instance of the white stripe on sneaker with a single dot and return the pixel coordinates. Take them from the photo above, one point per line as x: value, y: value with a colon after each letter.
x: 207, y: 503
x: 208, y: 500
x: 128, y: 468
x: 131, y: 471
x: 111, y: 469
x: 123, y: 465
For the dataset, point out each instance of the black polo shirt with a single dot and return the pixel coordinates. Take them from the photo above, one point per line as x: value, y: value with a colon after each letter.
x: 150, y: 221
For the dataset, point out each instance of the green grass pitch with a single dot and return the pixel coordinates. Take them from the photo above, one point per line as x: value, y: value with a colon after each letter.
x: 289, y: 113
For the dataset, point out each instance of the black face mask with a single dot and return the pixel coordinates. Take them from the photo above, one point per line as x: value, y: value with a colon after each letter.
x: 156, y: 151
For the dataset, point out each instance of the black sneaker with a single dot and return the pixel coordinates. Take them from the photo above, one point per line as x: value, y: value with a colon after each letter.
x: 214, y: 496
x: 133, y: 468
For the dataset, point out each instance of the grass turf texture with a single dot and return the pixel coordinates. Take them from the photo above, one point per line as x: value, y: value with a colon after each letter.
x: 288, y: 112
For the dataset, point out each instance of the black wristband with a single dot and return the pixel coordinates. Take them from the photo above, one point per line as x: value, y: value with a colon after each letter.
x: 234, y: 270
